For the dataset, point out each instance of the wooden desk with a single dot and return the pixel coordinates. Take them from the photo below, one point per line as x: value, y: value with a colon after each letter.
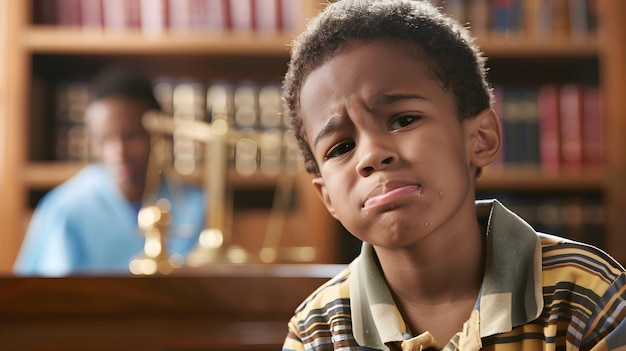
x: 222, y: 307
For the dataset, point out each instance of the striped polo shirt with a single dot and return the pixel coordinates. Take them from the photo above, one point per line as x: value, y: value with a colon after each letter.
x: 539, y: 292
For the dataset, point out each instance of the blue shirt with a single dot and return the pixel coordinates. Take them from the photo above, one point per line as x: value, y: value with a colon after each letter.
x: 86, y: 225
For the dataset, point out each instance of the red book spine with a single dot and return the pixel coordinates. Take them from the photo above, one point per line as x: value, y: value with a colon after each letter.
x: 121, y: 14
x: 68, y: 13
x: 241, y: 15
x: 91, y: 14
x: 571, y: 109
x: 154, y: 16
x: 133, y: 14
x: 291, y: 13
x: 549, y: 134
x: 179, y: 15
x: 593, y: 132
x: 266, y: 13
x: 217, y: 13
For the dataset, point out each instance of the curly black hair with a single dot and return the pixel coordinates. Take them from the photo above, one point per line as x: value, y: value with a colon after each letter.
x: 123, y: 81
x: 452, y: 55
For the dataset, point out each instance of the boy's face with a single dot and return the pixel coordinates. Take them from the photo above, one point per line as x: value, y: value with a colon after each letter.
x: 396, y: 163
x: 119, y: 139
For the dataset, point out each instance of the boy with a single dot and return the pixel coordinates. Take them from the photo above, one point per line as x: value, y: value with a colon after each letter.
x: 390, y: 104
x: 89, y: 223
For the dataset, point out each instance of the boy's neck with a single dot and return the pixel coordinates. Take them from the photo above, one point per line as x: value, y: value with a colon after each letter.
x: 438, y: 269
x: 437, y: 290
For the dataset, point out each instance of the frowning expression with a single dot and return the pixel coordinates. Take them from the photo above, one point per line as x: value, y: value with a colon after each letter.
x: 392, y: 153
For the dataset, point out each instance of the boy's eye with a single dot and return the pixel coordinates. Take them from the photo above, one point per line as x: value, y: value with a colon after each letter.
x: 339, y: 149
x: 403, y: 121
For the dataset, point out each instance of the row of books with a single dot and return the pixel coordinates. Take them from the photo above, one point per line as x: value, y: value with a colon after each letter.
x: 70, y: 137
x: 551, y: 126
x: 579, y: 217
x: 260, y: 138
x: 537, y: 19
x: 158, y: 16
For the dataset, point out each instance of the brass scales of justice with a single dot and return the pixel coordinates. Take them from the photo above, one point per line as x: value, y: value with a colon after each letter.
x: 215, y: 241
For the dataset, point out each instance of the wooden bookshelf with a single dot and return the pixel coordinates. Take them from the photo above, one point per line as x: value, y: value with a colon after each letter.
x: 25, y: 45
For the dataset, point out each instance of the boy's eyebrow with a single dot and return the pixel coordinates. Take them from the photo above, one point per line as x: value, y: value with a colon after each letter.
x: 332, y: 125
x: 381, y: 100
x: 387, y: 99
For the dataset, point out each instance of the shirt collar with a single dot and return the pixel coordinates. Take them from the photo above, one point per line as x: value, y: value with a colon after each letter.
x: 511, y: 292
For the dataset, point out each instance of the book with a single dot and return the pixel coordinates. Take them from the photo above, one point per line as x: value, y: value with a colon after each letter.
x: 579, y: 26
x: 121, y: 15
x: 549, y: 127
x: 270, y: 106
x: 593, y: 127
x: 507, y: 17
x: 291, y: 12
x: 530, y: 126
x: 270, y: 151
x: 216, y: 15
x: 91, y: 15
x: 539, y: 19
x: 571, y: 114
x: 241, y: 14
x: 44, y: 12
x: 246, y: 152
x: 198, y: 15
x: 560, y: 19
x: 245, y: 101
x: 594, y: 221
x: 188, y: 100
x: 220, y: 101
x: 154, y: 16
x: 68, y: 13
x: 520, y: 126
x: 267, y: 16
x: 72, y: 99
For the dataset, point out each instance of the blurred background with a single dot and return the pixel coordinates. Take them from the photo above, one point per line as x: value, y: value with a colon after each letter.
x: 558, y: 69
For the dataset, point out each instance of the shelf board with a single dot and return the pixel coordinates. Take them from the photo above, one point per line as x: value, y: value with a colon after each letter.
x: 520, y: 47
x: 46, y: 175
x: 58, y: 40
x: 534, y: 179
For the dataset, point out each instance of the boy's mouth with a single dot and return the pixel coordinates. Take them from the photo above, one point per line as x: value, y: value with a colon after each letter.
x: 389, y: 192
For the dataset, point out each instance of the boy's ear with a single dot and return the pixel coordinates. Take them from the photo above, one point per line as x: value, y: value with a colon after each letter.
x: 322, y: 191
x: 485, y: 138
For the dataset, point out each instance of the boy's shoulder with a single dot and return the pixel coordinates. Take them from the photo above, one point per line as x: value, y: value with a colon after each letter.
x: 583, y: 262
x: 328, y: 296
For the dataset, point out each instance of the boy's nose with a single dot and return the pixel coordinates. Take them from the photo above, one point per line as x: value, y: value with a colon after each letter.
x: 375, y: 157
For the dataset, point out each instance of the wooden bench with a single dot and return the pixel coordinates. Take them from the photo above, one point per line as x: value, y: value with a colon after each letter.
x: 219, y: 307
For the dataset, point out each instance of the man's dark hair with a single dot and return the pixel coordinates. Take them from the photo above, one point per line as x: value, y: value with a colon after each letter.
x: 126, y: 82
x: 450, y: 52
